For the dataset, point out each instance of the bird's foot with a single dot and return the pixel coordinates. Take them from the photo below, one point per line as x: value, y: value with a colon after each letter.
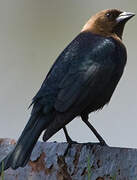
x: 96, y: 143
x: 103, y: 143
x: 70, y: 141
x: 67, y: 149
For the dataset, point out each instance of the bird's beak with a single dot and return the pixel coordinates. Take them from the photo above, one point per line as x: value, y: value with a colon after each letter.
x: 124, y: 17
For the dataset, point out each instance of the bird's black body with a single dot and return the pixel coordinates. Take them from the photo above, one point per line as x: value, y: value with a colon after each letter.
x: 79, y: 67
x: 86, y: 74
x: 82, y: 80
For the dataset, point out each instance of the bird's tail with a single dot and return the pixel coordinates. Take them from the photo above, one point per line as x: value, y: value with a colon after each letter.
x: 22, y: 151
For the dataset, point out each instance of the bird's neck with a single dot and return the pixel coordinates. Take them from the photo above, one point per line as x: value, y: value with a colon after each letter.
x: 90, y: 27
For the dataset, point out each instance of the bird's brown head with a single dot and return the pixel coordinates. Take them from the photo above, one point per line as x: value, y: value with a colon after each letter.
x: 108, y: 22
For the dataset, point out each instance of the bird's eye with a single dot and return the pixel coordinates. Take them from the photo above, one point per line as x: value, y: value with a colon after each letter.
x: 108, y: 15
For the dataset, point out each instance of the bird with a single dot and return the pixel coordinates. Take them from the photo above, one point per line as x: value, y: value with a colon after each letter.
x: 81, y: 80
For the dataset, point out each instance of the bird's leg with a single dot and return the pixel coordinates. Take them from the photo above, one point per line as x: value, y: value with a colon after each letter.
x: 67, y: 135
x: 101, y: 140
x: 69, y: 140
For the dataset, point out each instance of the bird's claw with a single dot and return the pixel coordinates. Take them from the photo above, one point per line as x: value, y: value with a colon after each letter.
x: 72, y: 142
x: 103, y: 143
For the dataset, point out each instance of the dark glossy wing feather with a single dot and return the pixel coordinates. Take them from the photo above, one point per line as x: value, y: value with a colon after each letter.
x: 77, y: 69
x: 88, y: 75
x: 83, y: 84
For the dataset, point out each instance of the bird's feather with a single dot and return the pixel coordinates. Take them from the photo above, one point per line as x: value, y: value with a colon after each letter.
x: 89, y: 73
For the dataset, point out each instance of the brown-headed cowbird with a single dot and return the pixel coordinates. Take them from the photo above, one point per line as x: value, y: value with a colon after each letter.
x: 82, y: 80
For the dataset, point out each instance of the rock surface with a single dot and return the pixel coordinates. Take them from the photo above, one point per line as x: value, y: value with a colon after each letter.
x: 81, y: 162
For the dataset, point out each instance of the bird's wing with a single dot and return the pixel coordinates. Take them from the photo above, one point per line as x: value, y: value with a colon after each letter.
x: 85, y: 76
